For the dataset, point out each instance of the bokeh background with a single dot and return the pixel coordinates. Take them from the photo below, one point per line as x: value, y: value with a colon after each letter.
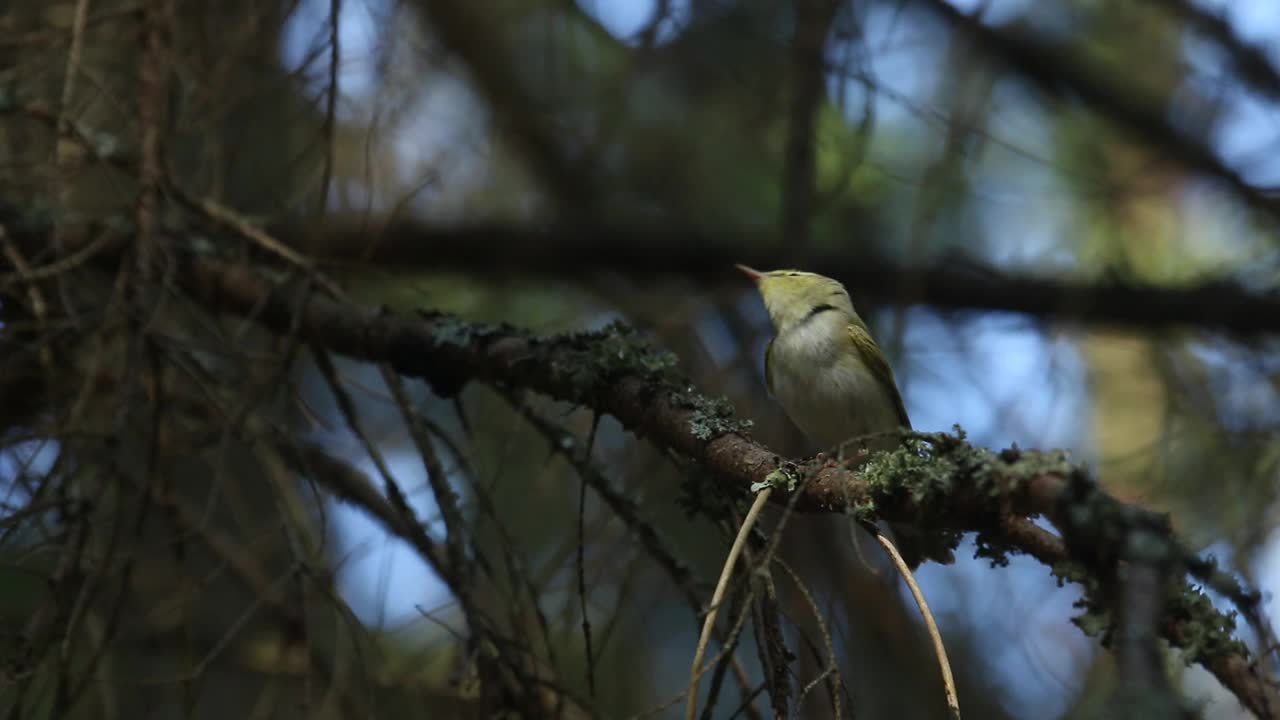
x: 1085, y: 142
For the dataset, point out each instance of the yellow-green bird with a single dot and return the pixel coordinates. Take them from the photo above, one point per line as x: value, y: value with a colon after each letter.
x: 830, y: 377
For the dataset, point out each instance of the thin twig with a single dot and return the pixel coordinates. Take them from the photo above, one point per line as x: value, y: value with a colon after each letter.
x: 39, y: 308
x: 246, y: 228
x: 771, y: 644
x: 151, y: 75
x: 939, y: 650
x: 832, y: 673
x: 564, y: 444
x: 58, y: 267
x: 582, y: 581
x: 695, y: 674
x: 331, y: 104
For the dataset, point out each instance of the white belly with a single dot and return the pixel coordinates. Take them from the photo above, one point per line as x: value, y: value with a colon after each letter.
x: 829, y: 402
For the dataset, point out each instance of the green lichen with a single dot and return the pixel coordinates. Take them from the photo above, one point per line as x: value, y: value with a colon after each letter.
x: 448, y: 329
x: 864, y: 511
x: 994, y: 548
x: 1069, y: 571
x: 1095, y: 622
x: 912, y: 468
x: 591, y: 359
x: 1202, y: 631
x: 584, y: 362
x: 711, y: 417
x: 918, y: 471
x: 1095, y: 618
x: 785, y: 477
x: 1205, y: 632
x: 617, y: 350
x: 1024, y: 465
x: 1206, y: 570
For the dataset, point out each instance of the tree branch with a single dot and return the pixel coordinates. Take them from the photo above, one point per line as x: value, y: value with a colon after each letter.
x: 468, y: 33
x: 938, y: 481
x: 646, y: 252
x: 808, y: 77
x: 1053, y: 68
x: 1249, y: 61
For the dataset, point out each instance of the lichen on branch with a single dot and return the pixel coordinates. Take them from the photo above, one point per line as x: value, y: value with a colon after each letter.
x: 937, y: 480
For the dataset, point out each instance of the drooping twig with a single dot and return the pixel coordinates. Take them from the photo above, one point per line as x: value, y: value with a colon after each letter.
x: 582, y: 580
x: 832, y: 672
x: 935, y: 637
x: 625, y: 509
x: 695, y: 674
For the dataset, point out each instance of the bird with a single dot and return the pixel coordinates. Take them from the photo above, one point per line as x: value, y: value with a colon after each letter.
x: 832, y: 380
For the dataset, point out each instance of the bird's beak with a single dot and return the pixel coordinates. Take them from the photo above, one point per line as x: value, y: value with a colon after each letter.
x: 755, y: 275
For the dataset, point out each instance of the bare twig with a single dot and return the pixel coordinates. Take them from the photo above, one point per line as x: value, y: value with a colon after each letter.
x: 331, y: 104
x: 582, y: 579
x: 762, y: 497
x: 935, y: 637
x: 39, y: 308
x: 659, y: 550
x: 246, y: 228
x: 832, y: 672
x: 152, y: 81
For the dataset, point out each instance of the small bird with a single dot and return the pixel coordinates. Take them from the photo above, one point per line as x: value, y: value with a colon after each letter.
x: 831, y: 378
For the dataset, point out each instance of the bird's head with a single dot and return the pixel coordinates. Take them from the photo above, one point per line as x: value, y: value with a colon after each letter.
x: 792, y: 296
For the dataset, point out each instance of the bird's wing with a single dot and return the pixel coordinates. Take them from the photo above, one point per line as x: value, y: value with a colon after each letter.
x: 873, y: 359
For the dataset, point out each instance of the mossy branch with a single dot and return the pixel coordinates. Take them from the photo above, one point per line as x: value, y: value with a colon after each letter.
x: 936, y: 480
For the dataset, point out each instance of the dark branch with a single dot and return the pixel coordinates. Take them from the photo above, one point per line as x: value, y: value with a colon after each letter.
x: 468, y: 31
x: 808, y: 77
x: 654, y: 252
x: 1056, y: 69
x: 1249, y: 61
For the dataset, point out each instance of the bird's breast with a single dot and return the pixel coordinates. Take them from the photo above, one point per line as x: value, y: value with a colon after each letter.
x: 830, y: 401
